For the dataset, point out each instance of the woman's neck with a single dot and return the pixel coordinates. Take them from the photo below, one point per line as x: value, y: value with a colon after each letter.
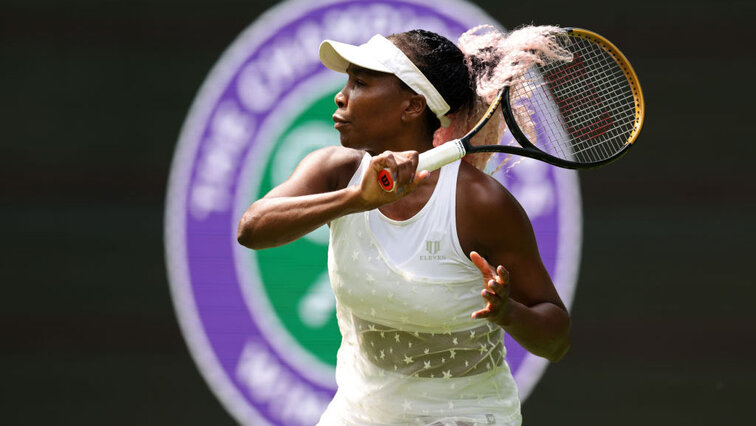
x: 418, y: 140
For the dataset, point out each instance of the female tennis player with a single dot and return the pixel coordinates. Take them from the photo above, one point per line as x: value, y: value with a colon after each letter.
x: 429, y: 277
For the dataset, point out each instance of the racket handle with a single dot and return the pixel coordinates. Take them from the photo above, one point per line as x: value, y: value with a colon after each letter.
x: 441, y: 155
x: 430, y: 160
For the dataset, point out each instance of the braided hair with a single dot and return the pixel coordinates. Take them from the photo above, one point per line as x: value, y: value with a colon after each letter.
x: 442, y: 63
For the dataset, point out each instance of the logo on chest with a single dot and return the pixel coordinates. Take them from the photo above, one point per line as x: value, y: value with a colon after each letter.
x: 432, y: 247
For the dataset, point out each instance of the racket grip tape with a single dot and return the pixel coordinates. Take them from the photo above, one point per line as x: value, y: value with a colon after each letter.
x: 429, y: 160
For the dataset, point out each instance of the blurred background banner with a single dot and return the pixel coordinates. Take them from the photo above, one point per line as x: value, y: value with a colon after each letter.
x: 95, y: 95
x: 261, y: 325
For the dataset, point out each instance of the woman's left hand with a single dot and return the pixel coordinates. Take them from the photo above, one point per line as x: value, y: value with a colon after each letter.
x: 495, y: 291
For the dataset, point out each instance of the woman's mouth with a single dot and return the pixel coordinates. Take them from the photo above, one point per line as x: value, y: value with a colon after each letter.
x: 339, y: 122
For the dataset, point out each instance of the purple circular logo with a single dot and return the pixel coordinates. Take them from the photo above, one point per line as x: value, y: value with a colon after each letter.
x: 261, y: 325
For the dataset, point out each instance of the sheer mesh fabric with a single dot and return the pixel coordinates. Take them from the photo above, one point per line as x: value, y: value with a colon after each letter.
x: 410, y: 352
x: 444, y: 355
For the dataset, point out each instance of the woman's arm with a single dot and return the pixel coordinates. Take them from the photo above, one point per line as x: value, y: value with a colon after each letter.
x: 317, y: 192
x: 540, y: 326
x: 313, y: 195
x: 518, y: 293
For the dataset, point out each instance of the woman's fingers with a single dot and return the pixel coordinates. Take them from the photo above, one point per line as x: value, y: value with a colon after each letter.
x: 481, y: 264
x: 402, y: 170
x: 502, y: 275
x: 405, y: 171
x: 495, y: 288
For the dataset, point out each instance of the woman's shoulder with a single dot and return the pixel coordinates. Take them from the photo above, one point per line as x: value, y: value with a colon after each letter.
x: 480, y: 190
x: 340, y: 156
x: 339, y: 162
x: 487, y: 213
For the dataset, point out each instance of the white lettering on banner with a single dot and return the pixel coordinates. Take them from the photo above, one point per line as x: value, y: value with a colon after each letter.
x: 290, y: 400
x: 230, y: 130
x: 282, y: 64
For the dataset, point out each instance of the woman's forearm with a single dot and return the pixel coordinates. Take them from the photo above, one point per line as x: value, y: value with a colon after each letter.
x: 271, y: 222
x: 542, y: 329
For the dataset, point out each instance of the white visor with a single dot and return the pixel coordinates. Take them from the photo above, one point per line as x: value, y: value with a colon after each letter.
x: 380, y: 54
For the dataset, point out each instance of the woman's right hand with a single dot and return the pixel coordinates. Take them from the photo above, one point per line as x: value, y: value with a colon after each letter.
x: 402, y: 166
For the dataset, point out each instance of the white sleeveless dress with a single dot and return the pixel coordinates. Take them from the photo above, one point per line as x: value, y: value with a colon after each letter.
x: 410, y: 353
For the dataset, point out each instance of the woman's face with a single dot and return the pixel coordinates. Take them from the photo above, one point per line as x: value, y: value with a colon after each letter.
x: 370, y: 107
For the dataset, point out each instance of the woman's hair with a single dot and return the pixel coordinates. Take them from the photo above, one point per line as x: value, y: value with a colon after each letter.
x: 469, y: 76
x: 442, y: 63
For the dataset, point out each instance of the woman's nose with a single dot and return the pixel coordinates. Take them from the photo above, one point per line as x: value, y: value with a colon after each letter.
x: 340, y: 99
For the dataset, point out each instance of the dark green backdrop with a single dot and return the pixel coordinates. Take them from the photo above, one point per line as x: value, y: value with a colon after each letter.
x: 92, y: 97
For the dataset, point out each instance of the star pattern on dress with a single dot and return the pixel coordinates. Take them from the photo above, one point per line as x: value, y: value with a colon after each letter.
x: 380, y: 289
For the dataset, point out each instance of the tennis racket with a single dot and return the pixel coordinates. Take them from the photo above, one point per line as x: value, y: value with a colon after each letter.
x: 581, y: 114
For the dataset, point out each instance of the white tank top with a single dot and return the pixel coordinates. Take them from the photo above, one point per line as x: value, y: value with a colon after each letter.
x: 410, y: 353
x: 427, y: 243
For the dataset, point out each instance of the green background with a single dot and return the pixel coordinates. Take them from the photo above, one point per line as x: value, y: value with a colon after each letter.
x: 286, y: 282
x: 92, y: 97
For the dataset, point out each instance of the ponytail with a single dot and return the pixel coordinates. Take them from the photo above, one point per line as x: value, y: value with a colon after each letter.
x: 495, y: 59
x: 469, y: 75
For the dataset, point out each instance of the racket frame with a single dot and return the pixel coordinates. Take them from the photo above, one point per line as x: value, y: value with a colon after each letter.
x: 455, y: 149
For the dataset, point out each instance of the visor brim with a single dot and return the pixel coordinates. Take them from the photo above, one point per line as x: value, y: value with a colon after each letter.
x: 337, y: 56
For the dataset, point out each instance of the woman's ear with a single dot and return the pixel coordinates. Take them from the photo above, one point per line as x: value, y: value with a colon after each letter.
x: 415, y: 108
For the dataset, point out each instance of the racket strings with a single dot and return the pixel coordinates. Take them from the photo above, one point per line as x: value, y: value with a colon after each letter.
x: 581, y: 111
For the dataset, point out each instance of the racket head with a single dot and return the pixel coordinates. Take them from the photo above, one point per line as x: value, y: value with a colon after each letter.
x: 578, y: 114
x: 633, y: 84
